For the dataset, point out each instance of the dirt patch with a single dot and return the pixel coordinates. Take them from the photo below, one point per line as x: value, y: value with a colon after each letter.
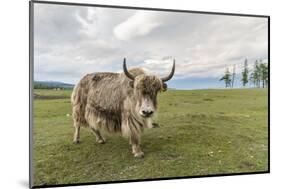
x: 208, y: 99
x: 46, y: 97
x: 246, y: 164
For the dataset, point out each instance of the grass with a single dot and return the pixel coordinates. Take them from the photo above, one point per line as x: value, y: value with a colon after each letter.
x: 201, y: 132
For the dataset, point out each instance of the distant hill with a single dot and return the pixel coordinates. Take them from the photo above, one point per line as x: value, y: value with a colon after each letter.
x: 52, y: 85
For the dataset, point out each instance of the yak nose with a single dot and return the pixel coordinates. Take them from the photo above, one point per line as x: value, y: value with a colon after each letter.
x: 147, y: 112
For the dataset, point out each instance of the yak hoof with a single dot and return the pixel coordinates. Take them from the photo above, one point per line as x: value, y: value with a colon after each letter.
x: 76, y: 141
x: 139, y: 155
x: 100, y: 141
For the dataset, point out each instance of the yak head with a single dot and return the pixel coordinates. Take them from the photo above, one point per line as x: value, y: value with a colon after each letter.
x: 146, y: 88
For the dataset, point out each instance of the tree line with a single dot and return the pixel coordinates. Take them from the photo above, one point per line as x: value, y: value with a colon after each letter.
x: 258, y: 77
x: 42, y: 86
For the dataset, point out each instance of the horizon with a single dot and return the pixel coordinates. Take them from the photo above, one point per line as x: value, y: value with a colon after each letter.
x: 236, y: 86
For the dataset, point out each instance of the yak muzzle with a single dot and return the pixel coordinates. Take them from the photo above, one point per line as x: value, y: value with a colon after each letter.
x: 147, y: 113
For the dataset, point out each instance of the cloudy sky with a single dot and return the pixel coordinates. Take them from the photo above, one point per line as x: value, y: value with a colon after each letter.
x: 71, y: 41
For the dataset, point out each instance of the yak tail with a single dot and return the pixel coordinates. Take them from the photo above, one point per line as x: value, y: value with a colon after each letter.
x: 78, y: 107
x: 74, y: 96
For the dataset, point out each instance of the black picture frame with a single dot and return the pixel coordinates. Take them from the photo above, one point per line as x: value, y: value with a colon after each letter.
x: 31, y: 65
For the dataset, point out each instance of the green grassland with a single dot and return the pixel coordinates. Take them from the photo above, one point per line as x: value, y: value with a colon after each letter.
x: 200, y: 132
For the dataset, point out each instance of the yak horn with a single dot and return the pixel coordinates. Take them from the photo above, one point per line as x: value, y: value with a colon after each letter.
x: 171, y: 74
x: 127, y: 73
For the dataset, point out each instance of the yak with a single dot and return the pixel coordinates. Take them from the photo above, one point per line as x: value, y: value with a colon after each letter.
x: 117, y: 102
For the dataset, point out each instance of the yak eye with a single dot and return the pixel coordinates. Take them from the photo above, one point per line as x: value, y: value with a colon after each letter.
x: 131, y: 83
x: 144, y: 93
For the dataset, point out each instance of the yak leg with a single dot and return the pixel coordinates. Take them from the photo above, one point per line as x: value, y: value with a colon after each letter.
x: 99, y: 138
x: 76, y: 138
x: 135, y: 142
x: 131, y: 131
x: 95, y: 125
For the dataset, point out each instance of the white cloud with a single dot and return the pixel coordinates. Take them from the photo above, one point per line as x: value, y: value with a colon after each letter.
x: 141, y: 23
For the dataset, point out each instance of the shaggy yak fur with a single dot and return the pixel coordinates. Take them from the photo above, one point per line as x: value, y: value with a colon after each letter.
x: 117, y: 103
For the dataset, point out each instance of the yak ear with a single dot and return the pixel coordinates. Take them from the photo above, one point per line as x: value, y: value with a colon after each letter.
x: 164, y: 87
x: 131, y: 83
